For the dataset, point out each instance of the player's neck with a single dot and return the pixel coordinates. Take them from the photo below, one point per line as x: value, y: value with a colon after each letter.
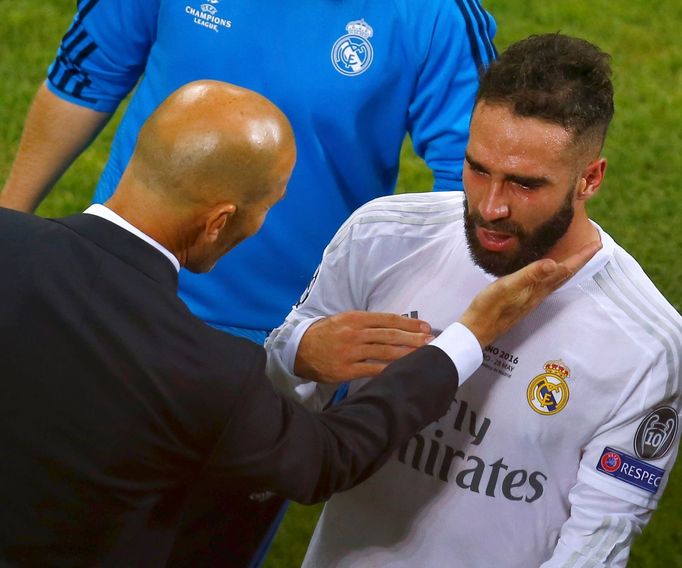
x: 580, y: 232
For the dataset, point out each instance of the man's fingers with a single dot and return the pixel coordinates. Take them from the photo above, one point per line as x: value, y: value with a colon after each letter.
x: 370, y: 320
x: 379, y: 352
x: 331, y: 348
x: 575, y: 262
x: 555, y: 274
x: 394, y: 337
x: 548, y: 274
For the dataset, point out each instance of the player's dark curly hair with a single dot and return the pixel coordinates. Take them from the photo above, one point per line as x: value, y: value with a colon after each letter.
x: 561, y: 79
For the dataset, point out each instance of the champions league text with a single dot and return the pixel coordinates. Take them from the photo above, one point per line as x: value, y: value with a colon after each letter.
x: 207, y: 20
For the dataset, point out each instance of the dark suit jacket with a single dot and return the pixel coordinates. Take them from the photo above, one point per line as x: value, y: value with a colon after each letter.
x: 114, y: 398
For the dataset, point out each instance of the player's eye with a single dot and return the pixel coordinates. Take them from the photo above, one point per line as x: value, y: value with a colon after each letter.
x: 477, y: 170
x: 528, y: 185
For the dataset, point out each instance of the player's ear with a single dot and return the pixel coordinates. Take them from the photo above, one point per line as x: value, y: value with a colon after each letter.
x: 217, y: 218
x: 591, y: 179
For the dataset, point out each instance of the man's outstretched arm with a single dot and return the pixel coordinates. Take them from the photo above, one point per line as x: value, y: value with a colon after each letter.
x: 307, y: 456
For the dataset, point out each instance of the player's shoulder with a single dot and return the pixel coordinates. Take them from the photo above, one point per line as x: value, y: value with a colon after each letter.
x: 442, y: 21
x: 637, y: 309
x: 427, y: 11
x: 413, y: 204
x: 417, y: 215
x: 630, y: 290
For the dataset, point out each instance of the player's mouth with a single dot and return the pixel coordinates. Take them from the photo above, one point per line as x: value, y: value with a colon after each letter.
x: 494, y: 240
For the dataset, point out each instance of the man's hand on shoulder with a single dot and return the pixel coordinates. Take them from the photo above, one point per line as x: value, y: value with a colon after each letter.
x: 351, y: 345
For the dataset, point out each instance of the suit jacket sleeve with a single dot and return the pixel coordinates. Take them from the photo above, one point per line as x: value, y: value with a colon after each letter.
x: 273, y: 443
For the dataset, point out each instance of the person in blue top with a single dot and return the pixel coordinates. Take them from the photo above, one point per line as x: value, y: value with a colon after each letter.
x: 353, y: 77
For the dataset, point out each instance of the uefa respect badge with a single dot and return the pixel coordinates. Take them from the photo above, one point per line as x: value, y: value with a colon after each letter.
x: 630, y: 470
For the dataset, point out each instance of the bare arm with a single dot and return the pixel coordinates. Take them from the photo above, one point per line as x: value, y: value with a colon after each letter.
x: 55, y: 133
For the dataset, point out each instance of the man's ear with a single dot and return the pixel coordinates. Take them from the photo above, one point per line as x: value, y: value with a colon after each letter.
x: 216, y: 220
x: 591, y: 179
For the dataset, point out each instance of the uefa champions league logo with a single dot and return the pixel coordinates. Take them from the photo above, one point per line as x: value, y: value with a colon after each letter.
x: 207, y: 16
x: 352, y: 53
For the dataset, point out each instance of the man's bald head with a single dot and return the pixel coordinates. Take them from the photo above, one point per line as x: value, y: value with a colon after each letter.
x: 209, y: 163
x: 210, y: 141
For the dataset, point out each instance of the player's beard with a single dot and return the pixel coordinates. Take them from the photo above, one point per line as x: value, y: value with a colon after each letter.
x: 531, y: 245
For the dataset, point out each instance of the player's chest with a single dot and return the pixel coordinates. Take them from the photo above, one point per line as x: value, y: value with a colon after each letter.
x: 544, y: 383
x: 321, y: 46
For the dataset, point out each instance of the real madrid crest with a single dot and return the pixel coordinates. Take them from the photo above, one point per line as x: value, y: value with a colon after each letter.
x: 548, y: 392
x: 352, y: 53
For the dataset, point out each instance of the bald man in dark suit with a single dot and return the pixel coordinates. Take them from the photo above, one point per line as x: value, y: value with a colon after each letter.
x: 116, y: 398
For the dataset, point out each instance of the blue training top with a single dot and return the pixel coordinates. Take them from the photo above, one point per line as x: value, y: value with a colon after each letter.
x: 353, y: 77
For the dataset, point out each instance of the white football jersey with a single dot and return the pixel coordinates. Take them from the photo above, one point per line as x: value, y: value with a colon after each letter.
x: 577, y: 406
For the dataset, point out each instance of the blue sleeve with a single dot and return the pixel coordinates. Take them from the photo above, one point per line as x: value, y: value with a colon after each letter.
x: 460, y: 43
x: 104, y: 52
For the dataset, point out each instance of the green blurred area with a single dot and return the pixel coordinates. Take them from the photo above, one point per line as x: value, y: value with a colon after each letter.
x: 639, y: 204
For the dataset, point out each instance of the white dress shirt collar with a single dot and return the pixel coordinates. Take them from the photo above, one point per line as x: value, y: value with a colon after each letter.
x: 104, y: 212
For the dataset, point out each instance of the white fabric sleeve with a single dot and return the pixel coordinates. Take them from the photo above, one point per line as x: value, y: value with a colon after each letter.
x: 281, y: 346
x: 611, y: 502
x: 599, y: 532
x: 642, y: 397
x: 288, y: 356
x: 462, y: 347
x: 331, y: 291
